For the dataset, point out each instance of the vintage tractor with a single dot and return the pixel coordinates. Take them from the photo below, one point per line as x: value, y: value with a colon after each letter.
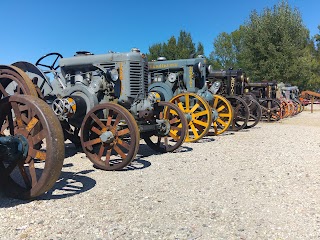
x: 105, y: 99
x: 266, y: 94
x: 183, y: 82
x: 31, y: 138
x: 247, y: 111
x: 290, y: 96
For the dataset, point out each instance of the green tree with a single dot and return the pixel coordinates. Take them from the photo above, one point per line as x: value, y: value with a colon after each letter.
x: 227, y: 50
x: 182, y: 48
x: 274, y: 45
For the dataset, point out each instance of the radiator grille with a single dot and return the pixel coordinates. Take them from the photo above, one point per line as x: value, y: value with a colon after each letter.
x: 138, y: 78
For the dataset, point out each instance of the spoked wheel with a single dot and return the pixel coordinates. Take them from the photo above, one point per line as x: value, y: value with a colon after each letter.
x: 198, y: 113
x: 271, y: 110
x: 172, y: 129
x: 15, y: 81
x: 255, y: 111
x: 299, y: 106
x: 31, y: 122
x: 225, y: 114
x: 110, y: 136
x: 241, y: 113
x: 284, y: 108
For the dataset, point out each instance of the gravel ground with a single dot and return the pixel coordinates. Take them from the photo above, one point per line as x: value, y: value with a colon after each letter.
x: 262, y: 183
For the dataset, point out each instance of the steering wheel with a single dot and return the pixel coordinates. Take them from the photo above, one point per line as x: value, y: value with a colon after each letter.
x: 54, y: 66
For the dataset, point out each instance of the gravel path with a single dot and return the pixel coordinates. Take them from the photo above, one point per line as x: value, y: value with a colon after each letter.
x: 263, y: 183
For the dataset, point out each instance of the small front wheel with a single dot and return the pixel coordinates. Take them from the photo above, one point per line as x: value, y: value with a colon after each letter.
x: 110, y: 136
x: 177, y: 126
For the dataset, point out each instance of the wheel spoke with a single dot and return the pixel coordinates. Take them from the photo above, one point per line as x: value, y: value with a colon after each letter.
x: 38, y: 137
x: 37, y: 154
x: 180, y: 105
x: 194, y: 130
x: 222, y: 122
x: 92, y: 142
x: 215, y: 102
x: 174, y: 120
x: 116, y: 122
x: 173, y: 135
x: 101, y: 151
x: 119, y: 151
x: 201, y: 123
x: 25, y: 176
x: 225, y: 115
x: 33, y: 174
x: 123, y: 131
x: 96, y: 130
x: 123, y: 144
x: 202, y: 113
x: 194, y: 107
x: 97, y: 120
x: 108, y: 155
x: 221, y: 108
x: 31, y: 124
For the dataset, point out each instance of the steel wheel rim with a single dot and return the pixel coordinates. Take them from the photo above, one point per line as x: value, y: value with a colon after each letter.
x: 198, y: 112
x: 118, y: 121
x: 240, y: 113
x: 271, y: 110
x: 225, y: 114
x: 255, y: 112
x: 14, y: 81
x: 33, y: 119
x: 178, y: 130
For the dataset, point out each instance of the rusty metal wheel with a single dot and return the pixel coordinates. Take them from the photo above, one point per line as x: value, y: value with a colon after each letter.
x: 174, y: 130
x: 110, y: 136
x: 40, y: 166
x: 241, y: 113
x: 255, y: 111
x: 271, y: 110
x: 198, y: 113
x: 14, y: 81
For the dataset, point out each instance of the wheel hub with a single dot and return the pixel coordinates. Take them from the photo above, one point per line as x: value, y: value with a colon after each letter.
x: 188, y: 117
x: 215, y: 114
x: 107, y: 137
x: 163, y: 127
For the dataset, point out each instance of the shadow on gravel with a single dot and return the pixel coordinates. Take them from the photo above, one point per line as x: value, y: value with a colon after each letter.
x: 146, y: 151
x: 69, y: 184
x: 71, y: 150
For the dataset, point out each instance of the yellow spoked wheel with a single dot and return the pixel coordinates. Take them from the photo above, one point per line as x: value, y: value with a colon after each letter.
x: 222, y: 107
x: 198, y: 113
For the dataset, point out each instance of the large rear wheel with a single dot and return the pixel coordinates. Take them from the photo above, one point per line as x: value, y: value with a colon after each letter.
x: 38, y: 132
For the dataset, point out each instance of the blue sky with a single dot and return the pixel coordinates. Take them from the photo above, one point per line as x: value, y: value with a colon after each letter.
x: 30, y: 29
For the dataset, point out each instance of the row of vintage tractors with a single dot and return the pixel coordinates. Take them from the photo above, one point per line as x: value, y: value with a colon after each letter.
x: 105, y: 104
x: 277, y: 101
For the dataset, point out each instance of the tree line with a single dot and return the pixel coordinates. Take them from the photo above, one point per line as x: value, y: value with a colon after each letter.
x: 271, y: 45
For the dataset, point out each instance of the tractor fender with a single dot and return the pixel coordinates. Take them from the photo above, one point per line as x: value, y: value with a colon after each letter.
x: 163, y: 89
